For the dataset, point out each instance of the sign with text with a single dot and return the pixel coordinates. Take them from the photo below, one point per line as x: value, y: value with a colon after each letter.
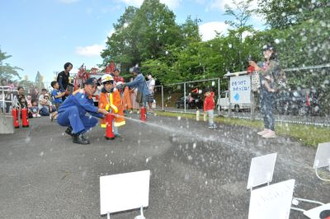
x: 240, y: 89
x: 122, y: 192
x: 272, y: 202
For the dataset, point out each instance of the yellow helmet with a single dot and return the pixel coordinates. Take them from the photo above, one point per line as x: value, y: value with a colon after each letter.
x: 106, y: 78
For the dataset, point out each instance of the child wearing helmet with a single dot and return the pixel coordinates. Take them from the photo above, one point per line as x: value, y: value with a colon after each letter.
x: 111, y: 101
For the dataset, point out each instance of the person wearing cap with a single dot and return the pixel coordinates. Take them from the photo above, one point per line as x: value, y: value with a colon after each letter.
x: 72, y: 112
x: 269, y: 72
x: 143, y: 96
x: 110, y: 100
x: 44, y: 104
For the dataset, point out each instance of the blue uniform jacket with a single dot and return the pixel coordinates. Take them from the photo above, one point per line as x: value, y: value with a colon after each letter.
x: 83, y: 103
x: 140, y: 83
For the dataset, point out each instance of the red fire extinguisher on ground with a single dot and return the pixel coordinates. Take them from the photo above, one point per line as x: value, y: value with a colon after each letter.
x: 25, y: 120
x: 143, y: 114
x: 109, y: 135
x: 14, y: 113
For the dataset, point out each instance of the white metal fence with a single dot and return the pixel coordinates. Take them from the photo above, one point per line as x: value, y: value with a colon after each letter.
x: 185, y: 96
x: 7, y: 99
x: 175, y: 97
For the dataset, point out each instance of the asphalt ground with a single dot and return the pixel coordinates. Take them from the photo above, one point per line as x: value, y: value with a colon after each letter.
x: 195, y: 172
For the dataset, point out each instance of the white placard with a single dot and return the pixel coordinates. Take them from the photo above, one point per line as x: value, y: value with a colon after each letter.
x: 240, y: 89
x: 272, y: 202
x: 322, y: 156
x: 315, y: 212
x: 261, y: 170
x: 122, y: 192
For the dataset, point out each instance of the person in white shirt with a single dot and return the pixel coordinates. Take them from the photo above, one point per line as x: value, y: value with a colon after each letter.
x: 44, y: 103
x: 151, y: 87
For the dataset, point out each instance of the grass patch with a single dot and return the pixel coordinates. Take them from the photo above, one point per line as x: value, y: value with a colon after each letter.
x: 307, y: 134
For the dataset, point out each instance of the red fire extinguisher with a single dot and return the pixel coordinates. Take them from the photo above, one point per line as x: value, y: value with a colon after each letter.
x: 109, y: 135
x: 14, y: 113
x: 25, y: 120
x: 143, y: 114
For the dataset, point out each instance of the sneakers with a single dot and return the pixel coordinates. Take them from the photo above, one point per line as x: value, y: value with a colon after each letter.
x: 80, y: 139
x: 263, y: 132
x: 269, y: 134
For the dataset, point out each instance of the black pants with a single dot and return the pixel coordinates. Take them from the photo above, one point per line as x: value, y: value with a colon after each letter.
x: 267, y: 108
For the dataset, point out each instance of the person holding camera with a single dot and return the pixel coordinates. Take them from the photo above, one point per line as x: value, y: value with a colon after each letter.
x: 269, y: 72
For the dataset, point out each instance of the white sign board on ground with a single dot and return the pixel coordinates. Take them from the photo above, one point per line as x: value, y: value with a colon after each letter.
x: 322, y: 156
x: 272, y: 202
x: 315, y: 212
x: 240, y: 89
x: 122, y: 192
x: 261, y: 170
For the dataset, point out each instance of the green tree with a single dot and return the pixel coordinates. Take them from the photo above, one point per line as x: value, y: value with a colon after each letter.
x: 241, y: 12
x: 189, y: 31
x: 142, y: 34
x: 6, y: 70
x: 281, y: 14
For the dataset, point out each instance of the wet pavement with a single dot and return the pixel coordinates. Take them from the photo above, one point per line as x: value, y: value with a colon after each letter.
x: 195, y: 172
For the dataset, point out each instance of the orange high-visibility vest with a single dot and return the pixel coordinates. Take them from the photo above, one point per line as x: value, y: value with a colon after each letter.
x: 116, y: 101
x: 112, y: 103
x: 103, y: 103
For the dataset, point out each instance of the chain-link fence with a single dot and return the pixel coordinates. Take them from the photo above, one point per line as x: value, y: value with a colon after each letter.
x: 185, y: 96
x: 304, y: 100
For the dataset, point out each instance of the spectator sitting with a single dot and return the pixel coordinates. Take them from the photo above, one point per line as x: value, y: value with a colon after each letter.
x: 57, y: 97
x: 46, y: 106
x: 43, y: 104
x: 34, y: 109
x: 29, y: 101
x: 20, y: 99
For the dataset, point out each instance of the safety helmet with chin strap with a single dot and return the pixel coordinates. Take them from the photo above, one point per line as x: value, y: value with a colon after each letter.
x: 106, y: 78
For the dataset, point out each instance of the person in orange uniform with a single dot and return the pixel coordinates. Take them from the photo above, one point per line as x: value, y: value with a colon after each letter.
x: 111, y: 101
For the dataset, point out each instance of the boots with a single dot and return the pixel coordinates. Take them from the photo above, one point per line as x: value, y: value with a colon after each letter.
x: 80, y: 139
x: 69, y: 131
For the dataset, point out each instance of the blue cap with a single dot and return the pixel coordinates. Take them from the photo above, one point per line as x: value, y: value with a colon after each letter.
x: 91, y: 81
x: 136, y: 70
